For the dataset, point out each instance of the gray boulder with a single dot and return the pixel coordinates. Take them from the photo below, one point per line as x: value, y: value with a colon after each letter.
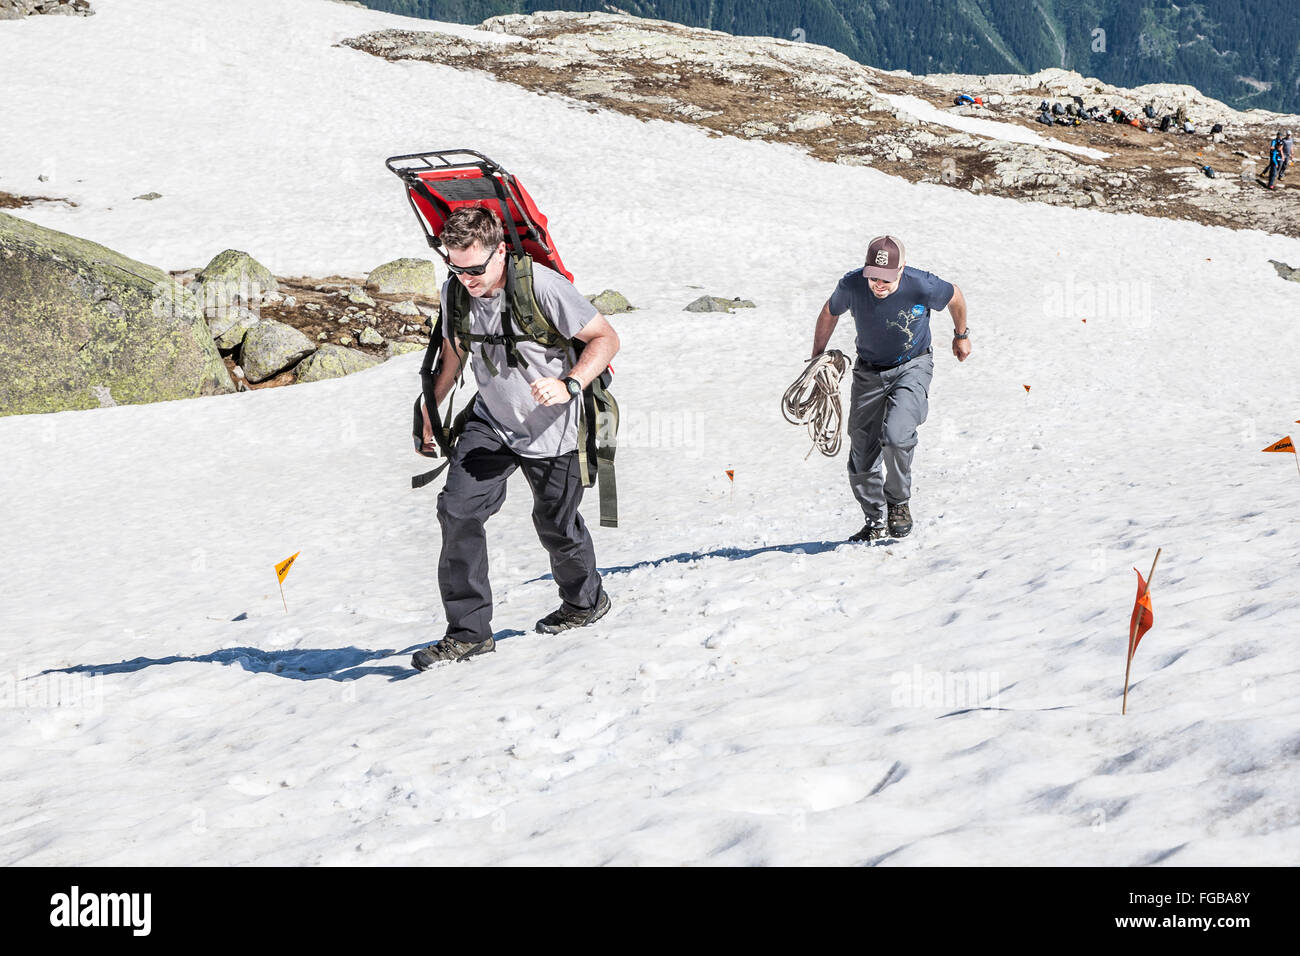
x: 81, y: 324
x: 713, y: 303
x: 370, y: 337
x: 610, y: 302
x: 333, y: 361
x: 229, y: 326
x: 401, y: 348
x: 233, y: 277
x: 357, y: 295
x: 270, y: 347
x: 1286, y: 271
x: 405, y: 308
x: 405, y: 277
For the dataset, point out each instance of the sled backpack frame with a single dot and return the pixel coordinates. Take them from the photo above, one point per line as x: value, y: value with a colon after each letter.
x: 437, y: 183
x: 442, y: 180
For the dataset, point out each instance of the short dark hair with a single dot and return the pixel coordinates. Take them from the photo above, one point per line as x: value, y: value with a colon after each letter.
x: 471, y: 224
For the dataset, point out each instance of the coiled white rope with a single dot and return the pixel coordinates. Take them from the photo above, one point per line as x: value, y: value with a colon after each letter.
x: 814, y: 400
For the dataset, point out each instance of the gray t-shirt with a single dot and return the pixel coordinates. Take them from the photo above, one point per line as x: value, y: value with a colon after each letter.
x: 505, y: 401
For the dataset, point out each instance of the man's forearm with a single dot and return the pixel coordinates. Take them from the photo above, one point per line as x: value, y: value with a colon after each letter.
x: 447, y: 374
x: 825, y: 327
x: 596, y: 355
x: 957, y: 309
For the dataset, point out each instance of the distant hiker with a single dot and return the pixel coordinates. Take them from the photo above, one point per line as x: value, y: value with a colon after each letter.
x: 524, y: 417
x: 1180, y: 115
x: 891, y: 304
x: 1276, y: 156
x: 1216, y: 128
x: 1188, y: 127
x: 1166, y: 124
x: 1287, y: 147
x: 1058, y: 109
x: 964, y: 99
x: 1150, y: 110
x: 1078, y: 101
x: 1045, y: 117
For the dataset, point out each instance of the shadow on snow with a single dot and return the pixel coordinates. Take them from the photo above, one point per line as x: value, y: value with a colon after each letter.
x: 732, y: 554
x: 339, y: 664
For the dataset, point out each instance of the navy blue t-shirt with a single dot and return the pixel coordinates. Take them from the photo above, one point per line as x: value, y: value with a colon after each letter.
x: 896, y: 328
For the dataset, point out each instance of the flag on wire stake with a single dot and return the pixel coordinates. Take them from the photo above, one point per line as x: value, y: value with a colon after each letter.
x: 1140, y: 622
x: 1286, y: 444
x: 282, y: 572
x: 731, y: 480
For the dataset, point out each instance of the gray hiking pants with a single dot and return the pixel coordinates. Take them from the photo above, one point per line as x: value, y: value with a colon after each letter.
x: 476, y: 488
x: 885, y: 409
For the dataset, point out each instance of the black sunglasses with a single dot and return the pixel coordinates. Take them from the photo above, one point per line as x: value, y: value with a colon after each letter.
x: 469, y: 270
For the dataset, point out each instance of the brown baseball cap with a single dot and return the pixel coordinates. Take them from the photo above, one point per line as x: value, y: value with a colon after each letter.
x: 885, y: 258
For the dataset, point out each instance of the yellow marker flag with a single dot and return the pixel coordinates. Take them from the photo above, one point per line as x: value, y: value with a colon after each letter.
x: 1282, y: 444
x: 282, y: 569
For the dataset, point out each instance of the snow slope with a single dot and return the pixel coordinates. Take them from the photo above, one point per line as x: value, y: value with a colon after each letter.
x: 761, y: 692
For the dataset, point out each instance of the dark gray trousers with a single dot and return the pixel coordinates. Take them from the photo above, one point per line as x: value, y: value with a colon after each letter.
x: 475, y: 490
x: 885, y: 409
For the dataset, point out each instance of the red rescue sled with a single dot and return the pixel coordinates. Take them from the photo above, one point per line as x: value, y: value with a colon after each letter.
x: 442, y: 180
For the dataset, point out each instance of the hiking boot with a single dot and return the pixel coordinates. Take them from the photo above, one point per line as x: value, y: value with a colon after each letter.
x: 568, y: 615
x: 900, y: 520
x: 869, y: 532
x: 449, y: 649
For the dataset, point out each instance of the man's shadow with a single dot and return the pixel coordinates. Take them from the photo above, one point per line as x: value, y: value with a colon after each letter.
x: 337, y: 664
x: 733, y: 554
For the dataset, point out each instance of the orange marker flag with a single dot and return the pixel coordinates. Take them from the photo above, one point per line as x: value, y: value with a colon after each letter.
x: 1282, y: 444
x: 281, y: 572
x: 731, y: 473
x: 1286, y: 444
x: 1140, y: 622
x: 1026, y: 388
x: 282, y: 569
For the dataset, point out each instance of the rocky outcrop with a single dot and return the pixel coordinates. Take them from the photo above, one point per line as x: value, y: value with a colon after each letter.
x: 714, y: 303
x: 271, y: 347
x: 406, y: 277
x: 230, y: 325
x: 333, y: 361
x: 1285, y: 271
x: 844, y: 112
x: 233, y: 277
x: 610, y: 302
x: 83, y: 326
x: 17, y: 9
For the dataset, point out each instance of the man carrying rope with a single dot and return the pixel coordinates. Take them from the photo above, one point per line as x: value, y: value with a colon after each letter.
x: 891, y: 306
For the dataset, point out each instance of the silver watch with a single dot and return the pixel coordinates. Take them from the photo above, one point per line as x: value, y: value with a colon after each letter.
x: 963, y: 335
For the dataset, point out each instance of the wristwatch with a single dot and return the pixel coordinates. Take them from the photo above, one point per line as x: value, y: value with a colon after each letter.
x: 963, y: 335
x: 573, y: 385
